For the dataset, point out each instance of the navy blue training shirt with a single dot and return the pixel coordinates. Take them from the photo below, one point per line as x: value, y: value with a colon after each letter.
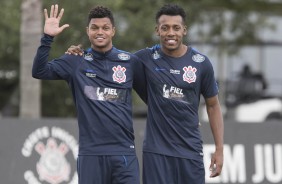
x: 101, y: 86
x: 174, y: 89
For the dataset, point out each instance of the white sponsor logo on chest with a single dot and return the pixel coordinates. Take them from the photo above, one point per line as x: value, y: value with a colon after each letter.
x: 174, y: 71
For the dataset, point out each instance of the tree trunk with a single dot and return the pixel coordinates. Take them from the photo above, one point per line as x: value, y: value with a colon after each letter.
x: 31, y: 30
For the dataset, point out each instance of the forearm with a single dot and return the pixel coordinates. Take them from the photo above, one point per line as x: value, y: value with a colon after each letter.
x: 40, y: 69
x: 139, y: 81
x: 216, y: 123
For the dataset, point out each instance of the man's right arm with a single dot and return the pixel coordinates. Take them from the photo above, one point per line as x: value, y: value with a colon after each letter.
x: 40, y: 62
x: 42, y: 69
x: 61, y: 68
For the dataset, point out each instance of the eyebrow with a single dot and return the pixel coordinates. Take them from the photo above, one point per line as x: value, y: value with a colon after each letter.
x: 107, y: 24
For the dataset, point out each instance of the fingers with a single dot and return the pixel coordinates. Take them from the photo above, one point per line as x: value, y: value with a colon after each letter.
x: 61, y: 14
x: 56, y: 9
x: 212, y: 164
x: 75, y: 50
x: 70, y: 50
x: 64, y: 26
x: 52, y: 11
x: 45, y: 14
x: 215, y: 167
x: 212, y: 169
x: 215, y: 170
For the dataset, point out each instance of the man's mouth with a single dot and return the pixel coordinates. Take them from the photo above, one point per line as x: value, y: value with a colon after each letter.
x: 99, y: 38
x: 171, y: 41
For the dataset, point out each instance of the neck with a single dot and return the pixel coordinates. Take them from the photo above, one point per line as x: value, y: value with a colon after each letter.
x: 178, y: 52
x: 102, y: 49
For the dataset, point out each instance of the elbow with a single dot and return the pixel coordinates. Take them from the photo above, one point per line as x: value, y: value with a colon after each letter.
x: 34, y: 74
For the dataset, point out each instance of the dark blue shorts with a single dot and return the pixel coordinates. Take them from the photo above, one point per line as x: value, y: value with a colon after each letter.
x: 110, y: 169
x: 161, y: 169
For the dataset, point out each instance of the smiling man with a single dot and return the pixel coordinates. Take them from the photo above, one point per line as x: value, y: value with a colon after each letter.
x: 100, y: 80
x: 177, y: 75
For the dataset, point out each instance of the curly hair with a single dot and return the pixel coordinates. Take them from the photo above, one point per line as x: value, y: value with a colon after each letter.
x: 172, y: 10
x: 101, y: 12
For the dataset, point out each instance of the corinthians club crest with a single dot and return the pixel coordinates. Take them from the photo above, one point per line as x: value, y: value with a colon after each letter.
x: 55, y: 149
x: 119, y: 74
x: 189, y: 74
x: 52, y: 166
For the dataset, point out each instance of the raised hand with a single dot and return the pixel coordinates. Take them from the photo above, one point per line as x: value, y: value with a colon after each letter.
x: 52, y: 23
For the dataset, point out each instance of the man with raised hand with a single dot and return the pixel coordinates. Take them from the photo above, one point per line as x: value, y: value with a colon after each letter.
x: 100, y: 81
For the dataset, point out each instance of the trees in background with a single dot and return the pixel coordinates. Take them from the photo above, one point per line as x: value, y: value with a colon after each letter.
x: 226, y: 23
x: 9, y: 55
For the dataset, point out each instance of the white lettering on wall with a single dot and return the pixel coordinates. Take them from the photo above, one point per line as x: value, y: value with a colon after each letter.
x: 265, y: 164
x: 258, y: 159
x: 268, y: 163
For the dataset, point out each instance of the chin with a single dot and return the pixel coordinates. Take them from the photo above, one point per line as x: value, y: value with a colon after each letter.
x: 171, y: 48
x: 101, y: 46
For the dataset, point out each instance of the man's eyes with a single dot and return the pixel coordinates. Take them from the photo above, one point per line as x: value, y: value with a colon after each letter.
x: 176, y: 28
x: 97, y: 28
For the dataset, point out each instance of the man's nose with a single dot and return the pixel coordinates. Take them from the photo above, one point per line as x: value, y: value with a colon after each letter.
x: 171, y: 31
x: 100, y: 31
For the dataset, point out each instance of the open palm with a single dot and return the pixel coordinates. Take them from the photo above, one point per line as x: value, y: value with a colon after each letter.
x: 52, y: 23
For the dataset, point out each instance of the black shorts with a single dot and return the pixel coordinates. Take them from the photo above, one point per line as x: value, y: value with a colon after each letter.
x: 110, y: 169
x: 161, y: 169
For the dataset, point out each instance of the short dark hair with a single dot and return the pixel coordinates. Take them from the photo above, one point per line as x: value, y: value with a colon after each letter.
x: 172, y: 10
x: 101, y: 12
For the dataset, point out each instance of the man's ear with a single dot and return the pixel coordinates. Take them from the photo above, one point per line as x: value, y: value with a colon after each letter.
x: 87, y: 31
x: 114, y: 31
x: 157, y: 30
x: 185, y: 30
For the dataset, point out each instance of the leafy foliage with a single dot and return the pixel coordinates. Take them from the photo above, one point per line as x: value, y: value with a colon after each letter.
x: 9, y: 47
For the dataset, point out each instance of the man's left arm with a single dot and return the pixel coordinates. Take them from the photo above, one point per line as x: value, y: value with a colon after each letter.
x: 139, y: 79
x: 217, y: 127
